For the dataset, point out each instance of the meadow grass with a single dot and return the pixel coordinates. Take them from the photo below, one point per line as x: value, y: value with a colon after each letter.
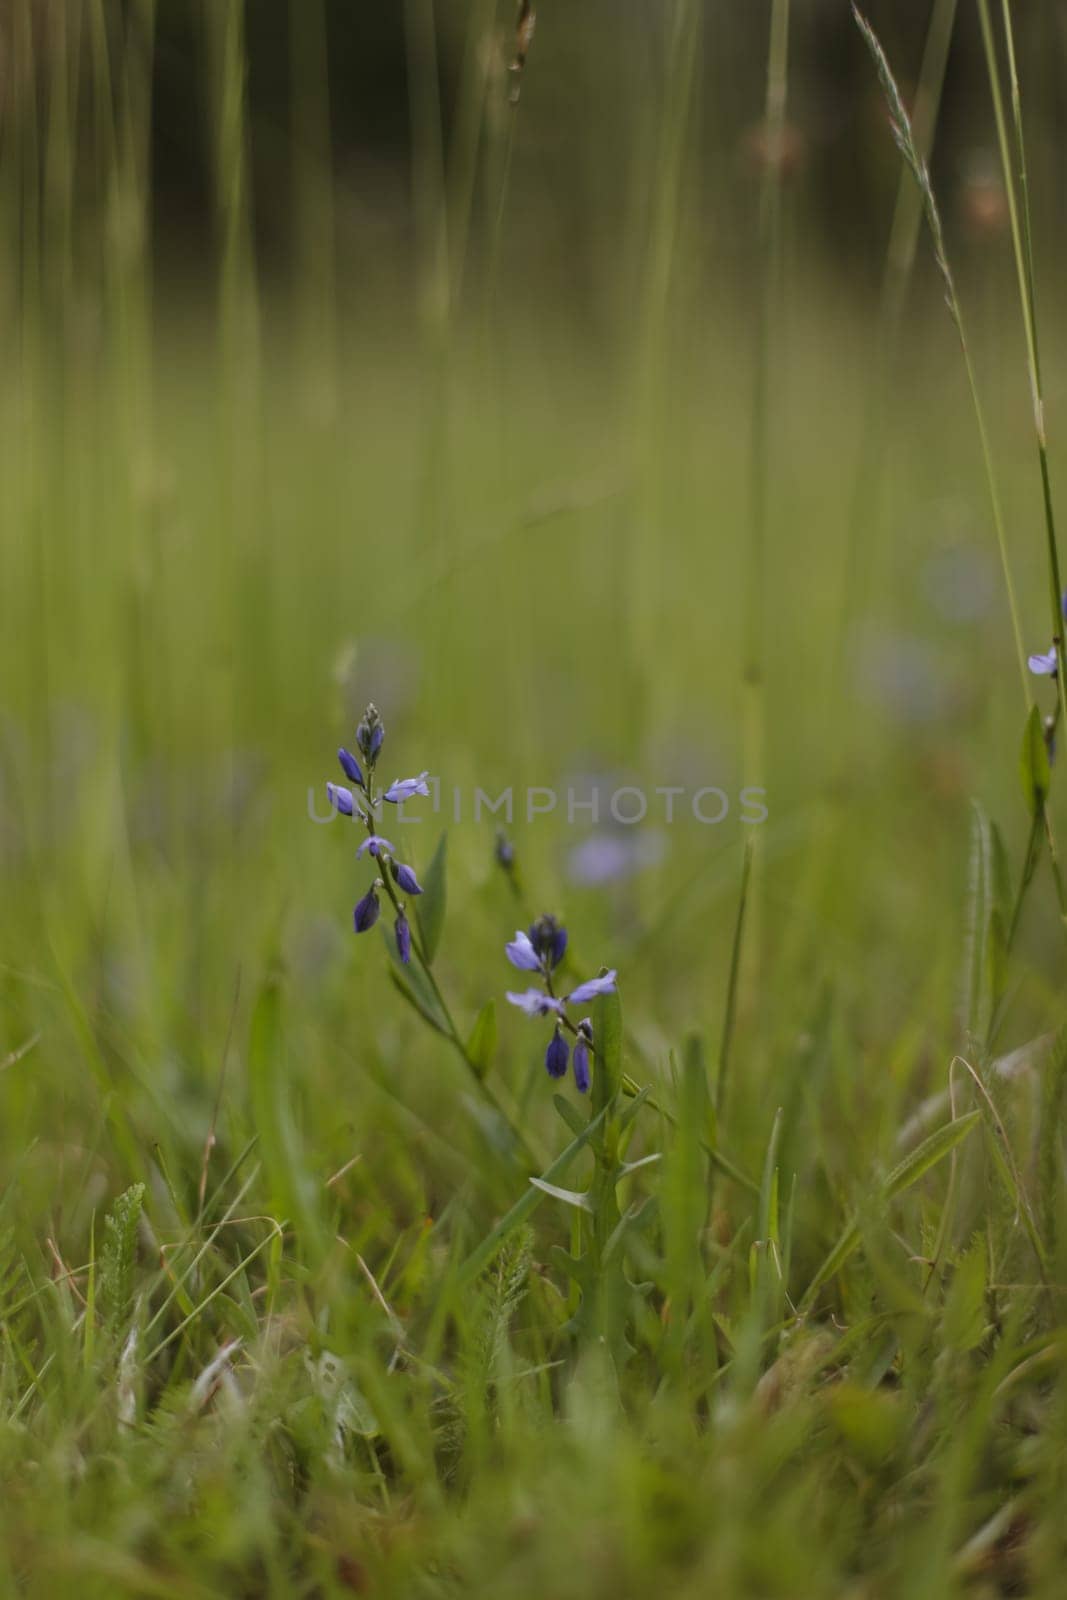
x: 281, y: 1311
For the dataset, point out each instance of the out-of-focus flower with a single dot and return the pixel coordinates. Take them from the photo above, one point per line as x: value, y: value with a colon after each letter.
x: 548, y: 937
x: 1044, y: 665
x: 959, y: 582
x: 903, y: 675
x: 610, y: 858
x: 984, y: 199
x: 521, y: 953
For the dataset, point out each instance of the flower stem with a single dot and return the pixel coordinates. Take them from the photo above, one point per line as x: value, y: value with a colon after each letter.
x: 451, y: 1032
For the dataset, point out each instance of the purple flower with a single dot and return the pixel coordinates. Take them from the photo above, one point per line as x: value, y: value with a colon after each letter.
x: 406, y: 878
x: 340, y: 798
x: 521, y: 953
x: 375, y: 844
x: 403, y: 938
x: 535, y: 1003
x: 581, y: 1055
x: 549, y: 939
x: 350, y: 766
x: 1044, y: 666
x: 402, y: 789
x: 589, y: 991
x: 557, y: 1055
x: 366, y: 913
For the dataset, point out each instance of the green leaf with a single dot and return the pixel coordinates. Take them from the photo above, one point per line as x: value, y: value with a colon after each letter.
x: 907, y: 1172
x: 633, y: 1106
x: 293, y: 1193
x: 117, y: 1258
x: 768, y: 1203
x: 964, y: 1321
x: 570, y: 1197
x: 480, y: 1257
x: 607, y: 1042
x: 978, y: 949
x: 626, y: 1168
x: 412, y: 984
x: 570, y: 1114
x: 929, y: 1153
x: 1033, y: 763
x: 481, y: 1046
x: 430, y: 905
x: 872, y: 1422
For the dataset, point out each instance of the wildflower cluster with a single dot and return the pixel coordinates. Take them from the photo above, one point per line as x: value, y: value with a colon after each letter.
x: 541, y: 950
x: 361, y: 802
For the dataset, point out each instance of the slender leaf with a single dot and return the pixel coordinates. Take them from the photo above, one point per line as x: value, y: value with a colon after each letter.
x: 430, y: 904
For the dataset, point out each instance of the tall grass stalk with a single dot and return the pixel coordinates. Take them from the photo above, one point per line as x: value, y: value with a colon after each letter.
x: 897, y: 271
x: 756, y: 601
x: 906, y: 143
x: 1022, y: 251
x: 649, y: 533
x: 757, y: 604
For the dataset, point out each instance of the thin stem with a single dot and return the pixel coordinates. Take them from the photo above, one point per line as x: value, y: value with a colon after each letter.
x: 756, y: 606
x: 905, y: 138
x: 897, y: 271
x: 451, y: 1032
x: 1022, y: 250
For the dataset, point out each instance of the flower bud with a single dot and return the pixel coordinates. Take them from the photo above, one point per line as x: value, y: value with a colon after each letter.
x: 405, y: 878
x: 581, y: 1055
x: 370, y: 733
x: 557, y: 1054
x: 340, y: 798
x: 350, y: 766
x: 366, y: 912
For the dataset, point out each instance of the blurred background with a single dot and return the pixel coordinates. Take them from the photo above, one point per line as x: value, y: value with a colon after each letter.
x: 600, y: 420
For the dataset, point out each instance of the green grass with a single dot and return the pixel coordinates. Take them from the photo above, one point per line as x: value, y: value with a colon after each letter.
x: 281, y: 1312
